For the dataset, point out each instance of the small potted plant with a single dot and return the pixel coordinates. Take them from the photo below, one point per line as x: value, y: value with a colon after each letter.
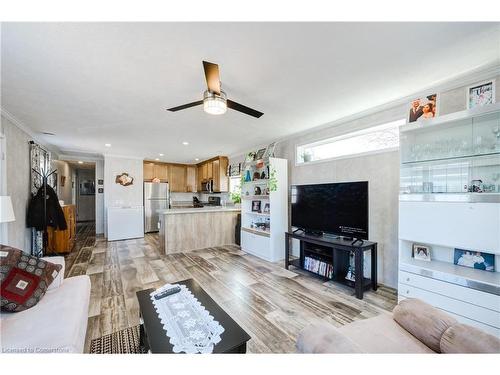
x: 306, y: 156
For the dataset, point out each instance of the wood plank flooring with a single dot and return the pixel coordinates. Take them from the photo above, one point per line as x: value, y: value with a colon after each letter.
x: 269, y: 302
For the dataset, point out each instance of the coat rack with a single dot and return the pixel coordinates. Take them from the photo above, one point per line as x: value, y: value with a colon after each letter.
x: 44, y: 176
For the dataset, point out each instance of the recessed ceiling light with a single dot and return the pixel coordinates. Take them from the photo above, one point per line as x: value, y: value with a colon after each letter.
x: 196, y: 159
x: 80, y: 162
x: 157, y: 159
x: 185, y: 143
x: 161, y: 154
x: 107, y: 144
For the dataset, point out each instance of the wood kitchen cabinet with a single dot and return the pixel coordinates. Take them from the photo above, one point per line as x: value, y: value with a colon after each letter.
x: 177, y: 178
x: 215, y: 169
x: 189, y: 178
x: 161, y: 171
x: 149, y: 171
x: 191, y: 185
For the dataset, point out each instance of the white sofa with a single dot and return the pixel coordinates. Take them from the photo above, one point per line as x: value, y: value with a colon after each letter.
x: 57, y: 324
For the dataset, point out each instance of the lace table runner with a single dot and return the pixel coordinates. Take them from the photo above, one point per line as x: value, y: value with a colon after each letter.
x: 187, y: 323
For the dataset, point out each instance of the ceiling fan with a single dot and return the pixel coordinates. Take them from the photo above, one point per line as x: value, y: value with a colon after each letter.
x: 215, y: 101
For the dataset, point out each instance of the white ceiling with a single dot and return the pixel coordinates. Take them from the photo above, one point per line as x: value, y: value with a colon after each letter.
x: 97, y: 83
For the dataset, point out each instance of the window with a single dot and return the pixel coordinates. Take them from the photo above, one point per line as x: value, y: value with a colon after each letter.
x: 372, y: 140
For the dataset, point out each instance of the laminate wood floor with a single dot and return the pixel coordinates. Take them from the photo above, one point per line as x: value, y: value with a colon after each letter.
x: 269, y: 302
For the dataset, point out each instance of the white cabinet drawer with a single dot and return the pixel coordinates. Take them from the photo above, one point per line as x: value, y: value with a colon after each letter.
x: 475, y: 297
x: 461, y: 308
x: 255, y: 244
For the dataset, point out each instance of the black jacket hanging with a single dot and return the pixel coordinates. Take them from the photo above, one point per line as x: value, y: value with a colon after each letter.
x: 54, y: 213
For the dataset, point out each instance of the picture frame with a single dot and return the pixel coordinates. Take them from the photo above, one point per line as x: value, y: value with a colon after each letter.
x: 87, y: 187
x: 474, y: 259
x: 481, y: 94
x: 267, y: 208
x: 256, y: 206
x: 270, y: 150
x: 421, y: 252
x: 250, y: 157
x: 423, y: 108
x: 100, y: 182
x: 260, y: 154
x: 124, y: 179
x: 63, y: 181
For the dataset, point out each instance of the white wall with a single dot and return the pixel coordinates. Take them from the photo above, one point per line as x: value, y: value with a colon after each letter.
x: 116, y: 195
x: 18, y: 183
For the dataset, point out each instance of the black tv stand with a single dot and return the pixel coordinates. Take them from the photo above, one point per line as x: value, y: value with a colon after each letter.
x: 336, y: 251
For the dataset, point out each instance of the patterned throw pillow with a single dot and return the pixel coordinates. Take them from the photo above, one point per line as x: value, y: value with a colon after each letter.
x: 24, y: 279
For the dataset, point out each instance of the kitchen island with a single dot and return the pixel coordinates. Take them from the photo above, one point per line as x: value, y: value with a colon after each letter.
x: 185, y: 229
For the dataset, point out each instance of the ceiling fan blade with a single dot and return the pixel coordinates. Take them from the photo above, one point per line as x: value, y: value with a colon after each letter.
x: 241, y: 108
x: 184, y: 106
x: 212, y: 76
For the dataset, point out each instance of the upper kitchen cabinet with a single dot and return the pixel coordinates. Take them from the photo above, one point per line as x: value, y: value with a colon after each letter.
x: 177, y: 178
x: 191, y: 178
x: 161, y: 172
x: 214, y: 169
x: 148, y: 171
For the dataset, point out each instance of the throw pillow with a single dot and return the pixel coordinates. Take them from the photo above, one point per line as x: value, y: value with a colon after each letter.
x: 24, y: 279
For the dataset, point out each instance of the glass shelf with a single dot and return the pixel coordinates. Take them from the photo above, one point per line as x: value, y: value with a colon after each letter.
x: 461, y: 157
x: 475, y: 136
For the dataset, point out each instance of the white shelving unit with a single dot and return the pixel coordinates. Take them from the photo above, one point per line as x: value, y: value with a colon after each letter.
x: 267, y: 243
x: 439, y: 161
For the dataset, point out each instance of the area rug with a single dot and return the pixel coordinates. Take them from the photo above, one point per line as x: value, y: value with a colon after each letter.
x: 126, y: 341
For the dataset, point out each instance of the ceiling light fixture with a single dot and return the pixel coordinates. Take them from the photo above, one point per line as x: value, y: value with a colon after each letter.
x: 196, y: 159
x: 157, y: 159
x: 80, y: 162
x: 214, y: 104
x: 161, y: 154
x: 107, y: 144
x: 48, y: 133
x: 185, y: 143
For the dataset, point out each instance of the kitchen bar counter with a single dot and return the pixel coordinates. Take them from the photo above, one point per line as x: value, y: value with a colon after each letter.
x: 186, y: 229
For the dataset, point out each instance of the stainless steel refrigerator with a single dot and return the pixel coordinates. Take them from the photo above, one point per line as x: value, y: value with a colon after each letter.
x: 156, y: 197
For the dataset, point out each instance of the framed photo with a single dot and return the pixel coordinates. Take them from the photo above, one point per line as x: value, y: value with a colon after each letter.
x: 481, y: 94
x: 267, y: 208
x: 474, y: 259
x: 421, y: 252
x: 255, y: 206
x: 100, y: 182
x: 260, y: 154
x: 424, y: 108
x: 250, y: 157
x: 63, y: 181
x: 87, y: 187
x: 270, y: 150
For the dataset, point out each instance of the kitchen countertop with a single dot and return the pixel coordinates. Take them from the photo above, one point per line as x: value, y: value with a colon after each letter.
x: 193, y: 210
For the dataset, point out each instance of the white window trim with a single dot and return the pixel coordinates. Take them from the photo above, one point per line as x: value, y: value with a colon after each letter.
x: 400, y: 122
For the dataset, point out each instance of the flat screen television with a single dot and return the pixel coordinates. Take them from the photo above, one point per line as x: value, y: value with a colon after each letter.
x: 337, y: 208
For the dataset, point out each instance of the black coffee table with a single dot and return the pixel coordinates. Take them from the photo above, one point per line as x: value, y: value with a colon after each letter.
x: 153, y: 336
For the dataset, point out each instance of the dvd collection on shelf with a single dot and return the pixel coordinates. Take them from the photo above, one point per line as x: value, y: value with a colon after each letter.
x: 318, y: 266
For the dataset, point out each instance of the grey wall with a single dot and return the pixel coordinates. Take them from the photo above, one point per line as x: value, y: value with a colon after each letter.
x: 380, y: 170
x: 18, y: 183
x: 99, y: 197
x: 85, y: 204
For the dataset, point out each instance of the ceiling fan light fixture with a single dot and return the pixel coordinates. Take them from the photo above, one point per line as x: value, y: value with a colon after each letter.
x: 214, y: 104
